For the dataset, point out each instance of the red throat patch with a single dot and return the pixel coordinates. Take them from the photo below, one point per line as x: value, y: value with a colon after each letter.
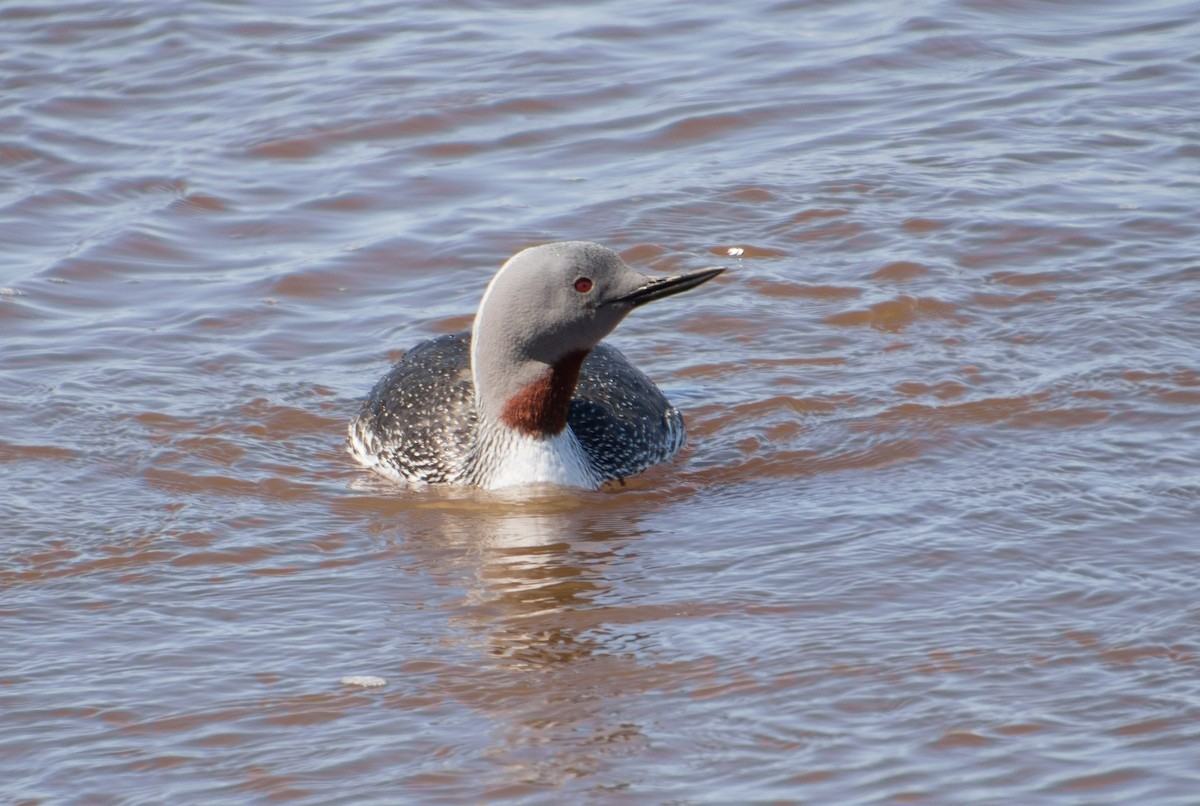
x: 540, y: 408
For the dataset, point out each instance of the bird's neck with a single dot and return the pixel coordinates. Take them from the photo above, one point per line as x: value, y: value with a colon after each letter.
x: 523, y: 437
x: 539, y: 407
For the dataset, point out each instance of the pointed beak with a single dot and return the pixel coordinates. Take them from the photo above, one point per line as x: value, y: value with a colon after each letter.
x: 659, y: 287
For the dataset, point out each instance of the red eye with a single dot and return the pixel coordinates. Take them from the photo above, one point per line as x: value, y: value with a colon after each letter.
x: 583, y: 285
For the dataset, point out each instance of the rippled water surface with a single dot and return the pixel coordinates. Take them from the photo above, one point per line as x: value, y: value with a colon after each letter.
x: 935, y: 537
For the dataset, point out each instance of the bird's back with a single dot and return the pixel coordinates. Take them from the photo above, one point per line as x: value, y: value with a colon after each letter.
x: 420, y: 420
x: 623, y: 421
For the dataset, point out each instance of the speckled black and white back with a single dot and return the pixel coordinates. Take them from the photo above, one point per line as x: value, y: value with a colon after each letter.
x: 420, y: 421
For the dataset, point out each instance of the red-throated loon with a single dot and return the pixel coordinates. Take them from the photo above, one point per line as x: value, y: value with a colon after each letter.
x: 531, y: 395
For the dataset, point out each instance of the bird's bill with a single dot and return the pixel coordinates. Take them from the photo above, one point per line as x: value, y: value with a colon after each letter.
x: 659, y: 287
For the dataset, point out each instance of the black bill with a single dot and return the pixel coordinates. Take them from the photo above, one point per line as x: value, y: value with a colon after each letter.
x: 660, y: 287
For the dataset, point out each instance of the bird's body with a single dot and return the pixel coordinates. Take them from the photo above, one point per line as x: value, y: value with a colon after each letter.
x: 531, y: 395
x: 617, y: 417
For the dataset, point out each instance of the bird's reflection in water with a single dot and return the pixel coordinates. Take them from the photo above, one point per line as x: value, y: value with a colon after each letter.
x: 544, y: 604
x: 537, y: 578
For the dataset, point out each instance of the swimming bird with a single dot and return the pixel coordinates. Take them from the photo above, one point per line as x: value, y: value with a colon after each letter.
x: 531, y: 394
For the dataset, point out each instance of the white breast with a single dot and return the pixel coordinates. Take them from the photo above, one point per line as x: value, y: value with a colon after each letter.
x: 514, y: 459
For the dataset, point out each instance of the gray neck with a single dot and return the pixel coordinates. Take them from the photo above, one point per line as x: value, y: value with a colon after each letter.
x: 525, y: 394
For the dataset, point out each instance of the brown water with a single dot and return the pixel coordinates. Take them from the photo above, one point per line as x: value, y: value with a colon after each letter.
x: 934, y: 540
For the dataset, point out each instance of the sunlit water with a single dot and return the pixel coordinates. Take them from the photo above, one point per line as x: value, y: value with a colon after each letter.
x: 934, y: 540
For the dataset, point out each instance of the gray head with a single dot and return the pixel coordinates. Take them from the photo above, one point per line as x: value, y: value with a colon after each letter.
x: 546, y: 308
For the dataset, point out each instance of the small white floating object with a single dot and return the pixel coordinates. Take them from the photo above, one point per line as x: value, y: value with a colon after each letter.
x: 735, y: 251
x: 363, y: 680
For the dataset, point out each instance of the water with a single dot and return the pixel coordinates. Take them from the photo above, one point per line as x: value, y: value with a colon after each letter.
x: 934, y: 539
